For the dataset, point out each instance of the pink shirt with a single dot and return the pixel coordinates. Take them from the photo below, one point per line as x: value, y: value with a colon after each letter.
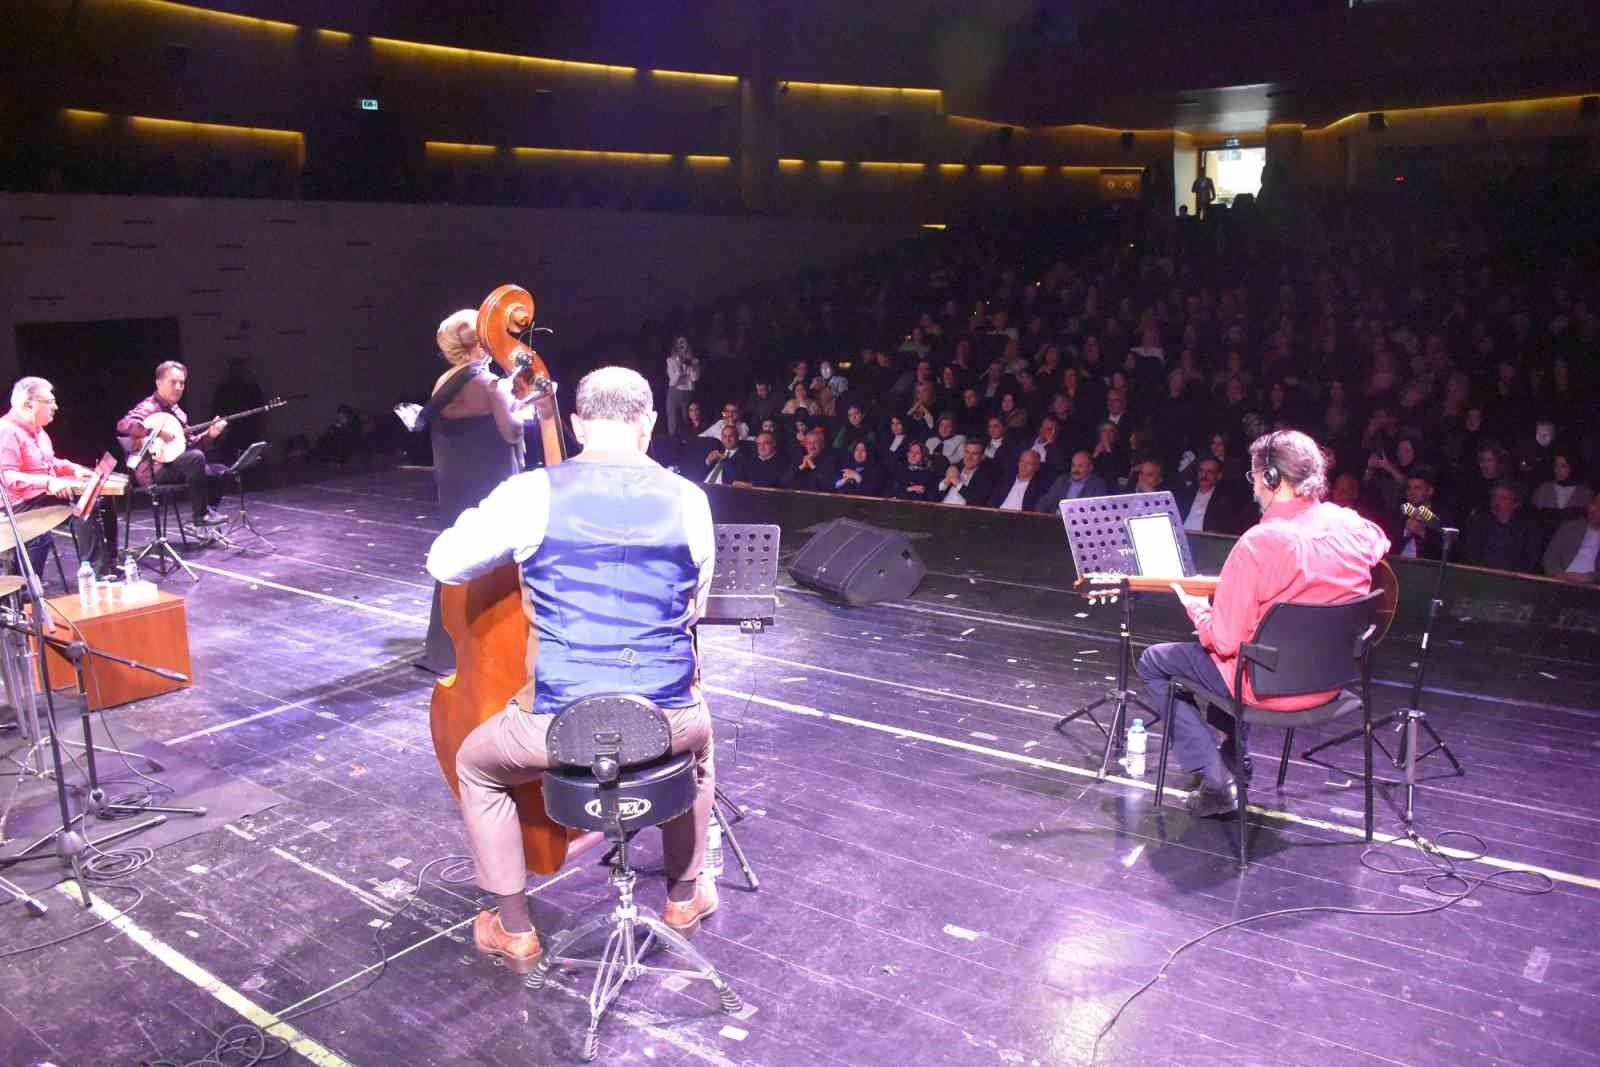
x: 1303, y: 551
x: 28, y: 460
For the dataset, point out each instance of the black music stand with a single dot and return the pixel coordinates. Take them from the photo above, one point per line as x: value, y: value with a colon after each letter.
x: 1097, y: 536
x: 229, y: 535
x: 744, y: 592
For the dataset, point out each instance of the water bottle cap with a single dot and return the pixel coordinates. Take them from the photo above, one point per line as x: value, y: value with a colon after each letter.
x: 1138, y: 724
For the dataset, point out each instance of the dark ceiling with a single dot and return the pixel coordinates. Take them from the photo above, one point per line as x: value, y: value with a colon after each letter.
x: 1199, y: 65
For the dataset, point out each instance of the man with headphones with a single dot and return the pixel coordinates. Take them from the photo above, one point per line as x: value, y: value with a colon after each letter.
x: 1304, y: 550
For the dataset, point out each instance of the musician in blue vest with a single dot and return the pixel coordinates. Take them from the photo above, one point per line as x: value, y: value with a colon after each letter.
x: 615, y: 555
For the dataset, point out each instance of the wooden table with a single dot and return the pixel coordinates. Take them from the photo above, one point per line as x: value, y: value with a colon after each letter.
x: 152, y: 631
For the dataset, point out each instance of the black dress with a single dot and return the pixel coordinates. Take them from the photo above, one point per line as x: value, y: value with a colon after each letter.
x: 470, y: 459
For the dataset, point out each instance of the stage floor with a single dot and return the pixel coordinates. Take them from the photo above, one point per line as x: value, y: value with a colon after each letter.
x: 944, y: 880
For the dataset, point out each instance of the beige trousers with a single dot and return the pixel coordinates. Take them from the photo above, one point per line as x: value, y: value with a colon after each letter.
x: 509, y: 750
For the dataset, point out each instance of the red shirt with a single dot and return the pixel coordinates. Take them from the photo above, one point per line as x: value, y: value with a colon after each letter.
x: 1304, y: 551
x: 28, y: 460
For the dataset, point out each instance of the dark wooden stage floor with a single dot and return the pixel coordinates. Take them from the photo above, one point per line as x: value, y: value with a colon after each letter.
x: 944, y: 879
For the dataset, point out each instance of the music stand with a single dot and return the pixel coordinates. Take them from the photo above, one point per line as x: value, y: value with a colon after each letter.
x: 1097, y: 536
x: 744, y: 592
x: 228, y: 535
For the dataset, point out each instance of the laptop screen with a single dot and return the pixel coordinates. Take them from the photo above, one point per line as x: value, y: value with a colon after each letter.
x: 1155, y: 546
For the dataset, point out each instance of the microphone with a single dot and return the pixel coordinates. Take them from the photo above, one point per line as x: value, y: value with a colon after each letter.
x: 1425, y: 515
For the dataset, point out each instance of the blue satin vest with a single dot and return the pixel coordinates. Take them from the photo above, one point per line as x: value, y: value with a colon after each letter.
x: 610, y: 588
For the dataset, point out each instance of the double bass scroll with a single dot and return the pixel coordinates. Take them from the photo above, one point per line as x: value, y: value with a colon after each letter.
x: 484, y: 617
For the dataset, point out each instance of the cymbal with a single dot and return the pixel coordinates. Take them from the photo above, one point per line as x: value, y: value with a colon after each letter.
x: 10, y: 583
x: 33, y: 524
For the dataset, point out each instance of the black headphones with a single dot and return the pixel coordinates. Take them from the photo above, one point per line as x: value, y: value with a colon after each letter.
x: 1270, y: 474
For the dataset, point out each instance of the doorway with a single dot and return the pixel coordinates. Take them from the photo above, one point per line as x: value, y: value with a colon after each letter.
x: 1234, y: 171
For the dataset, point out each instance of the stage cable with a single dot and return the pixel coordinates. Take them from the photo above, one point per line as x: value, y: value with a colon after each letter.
x: 245, y: 1044
x: 1440, y: 874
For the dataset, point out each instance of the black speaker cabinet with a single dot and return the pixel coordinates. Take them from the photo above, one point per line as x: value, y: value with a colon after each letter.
x: 858, y: 563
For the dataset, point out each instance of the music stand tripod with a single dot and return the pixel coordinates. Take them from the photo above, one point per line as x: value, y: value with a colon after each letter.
x: 1097, y: 536
x: 1408, y: 719
x: 230, y: 535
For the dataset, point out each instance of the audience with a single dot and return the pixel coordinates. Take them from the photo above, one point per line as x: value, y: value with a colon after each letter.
x: 1139, y: 356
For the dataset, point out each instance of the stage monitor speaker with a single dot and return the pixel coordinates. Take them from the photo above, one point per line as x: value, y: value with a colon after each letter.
x: 858, y: 563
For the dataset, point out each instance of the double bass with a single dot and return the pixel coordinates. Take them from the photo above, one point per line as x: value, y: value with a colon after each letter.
x: 484, y: 617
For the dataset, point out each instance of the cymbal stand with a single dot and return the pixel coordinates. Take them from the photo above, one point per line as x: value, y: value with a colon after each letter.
x: 69, y: 843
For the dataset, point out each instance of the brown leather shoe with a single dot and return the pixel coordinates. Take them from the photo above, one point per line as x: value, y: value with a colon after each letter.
x: 684, y: 915
x: 519, y: 952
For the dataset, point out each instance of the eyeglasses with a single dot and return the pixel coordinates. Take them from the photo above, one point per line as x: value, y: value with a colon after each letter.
x: 1250, y: 478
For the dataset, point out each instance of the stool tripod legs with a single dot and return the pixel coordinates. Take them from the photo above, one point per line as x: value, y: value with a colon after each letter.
x: 619, y: 962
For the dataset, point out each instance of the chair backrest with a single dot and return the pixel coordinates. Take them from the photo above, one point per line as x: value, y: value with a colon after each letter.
x: 1310, y: 648
x: 622, y: 724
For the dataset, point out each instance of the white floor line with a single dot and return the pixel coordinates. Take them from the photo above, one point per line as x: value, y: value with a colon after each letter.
x: 1137, y: 783
x: 230, y: 724
x: 187, y: 968
x: 252, y: 579
x: 1089, y: 635
x: 1284, y: 816
x: 360, y: 520
x: 363, y: 894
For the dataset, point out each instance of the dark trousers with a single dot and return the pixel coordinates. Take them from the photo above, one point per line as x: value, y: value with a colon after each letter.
x: 91, y: 540
x: 188, y: 469
x: 1192, y: 738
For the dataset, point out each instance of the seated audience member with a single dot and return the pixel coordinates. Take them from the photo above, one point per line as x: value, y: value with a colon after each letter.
x: 1109, y: 454
x: 722, y: 459
x: 1565, y: 493
x: 895, y: 440
x: 799, y: 400
x: 1499, y: 537
x: 763, y: 403
x: 1415, y: 539
x: 815, y: 470
x: 1572, y: 551
x: 997, y: 444
x: 1209, y: 506
x: 1147, y: 475
x: 684, y: 450
x: 1079, y: 481
x: 971, y: 481
x: 1022, y: 492
x: 764, y: 468
x: 1494, y: 468
x: 946, y: 443
x: 923, y: 403
x: 730, y: 414
x: 973, y: 414
x: 1048, y: 448
x: 853, y: 429
x: 916, y: 480
x: 861, y: 474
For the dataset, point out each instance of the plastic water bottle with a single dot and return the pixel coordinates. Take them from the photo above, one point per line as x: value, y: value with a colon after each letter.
x: 713, y: 864
x: 130, y: 571
x: 1134, y: 762
x: 86, y: 584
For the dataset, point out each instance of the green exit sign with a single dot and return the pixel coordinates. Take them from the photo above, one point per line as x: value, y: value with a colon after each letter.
x: 369, y: 104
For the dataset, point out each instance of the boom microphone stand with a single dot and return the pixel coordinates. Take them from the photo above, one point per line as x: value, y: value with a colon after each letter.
x: 69, y: 842
x: 1408, y: 719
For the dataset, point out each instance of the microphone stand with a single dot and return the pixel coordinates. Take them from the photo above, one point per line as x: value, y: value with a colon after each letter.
x: 70, y: 844
x: 1409, y: 718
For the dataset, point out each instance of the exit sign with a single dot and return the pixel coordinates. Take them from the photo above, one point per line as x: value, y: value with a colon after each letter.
x: 369, y: 104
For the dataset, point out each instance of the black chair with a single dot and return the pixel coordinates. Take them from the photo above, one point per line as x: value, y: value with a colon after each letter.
x: 1297, y: 649
x: 615, y: 773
